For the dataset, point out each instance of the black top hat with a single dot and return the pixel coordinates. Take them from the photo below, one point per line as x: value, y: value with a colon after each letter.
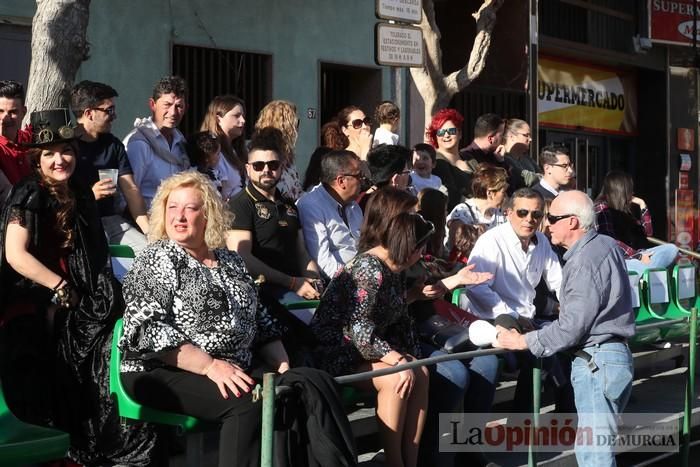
x: 50, y: 127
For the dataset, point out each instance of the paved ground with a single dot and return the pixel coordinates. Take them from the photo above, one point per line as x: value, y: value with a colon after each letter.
x: 659, y: 387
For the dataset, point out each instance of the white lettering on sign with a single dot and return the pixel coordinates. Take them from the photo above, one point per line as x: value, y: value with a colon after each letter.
x: 408, y: 11
x: 399, y: 45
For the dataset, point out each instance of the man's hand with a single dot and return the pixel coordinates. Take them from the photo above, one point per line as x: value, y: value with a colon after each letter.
x: 509, y: 339
x: 103, y: 188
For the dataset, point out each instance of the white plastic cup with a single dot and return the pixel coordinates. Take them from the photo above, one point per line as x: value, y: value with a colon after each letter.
x: 112, y: 174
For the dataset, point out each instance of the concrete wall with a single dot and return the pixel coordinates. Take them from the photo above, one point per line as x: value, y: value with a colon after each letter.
x: 131, y: 45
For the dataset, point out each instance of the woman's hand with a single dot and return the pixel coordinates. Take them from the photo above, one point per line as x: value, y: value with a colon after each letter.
x: 405, y: 385
x: 227, y: 375
x: 363, y: 142
x: 305, y: 288
x: 468, y: 277
x: 639, y: 202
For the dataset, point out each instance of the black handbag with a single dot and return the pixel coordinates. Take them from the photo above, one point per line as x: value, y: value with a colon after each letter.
x: 445, y: 334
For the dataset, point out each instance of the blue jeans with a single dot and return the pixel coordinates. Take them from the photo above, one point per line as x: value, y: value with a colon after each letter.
x: 600, y: 397
x: 662, y: 256
x: 455, y: 386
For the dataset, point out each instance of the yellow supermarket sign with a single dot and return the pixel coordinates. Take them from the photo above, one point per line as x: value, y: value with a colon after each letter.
x: 574, y: 95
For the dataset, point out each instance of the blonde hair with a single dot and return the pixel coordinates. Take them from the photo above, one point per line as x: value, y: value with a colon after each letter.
x: 217, y: 216
x: 283, y: 116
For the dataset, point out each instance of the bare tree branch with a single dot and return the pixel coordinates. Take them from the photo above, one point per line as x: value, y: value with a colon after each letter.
x: 485, y: 21
x: 434, y: 87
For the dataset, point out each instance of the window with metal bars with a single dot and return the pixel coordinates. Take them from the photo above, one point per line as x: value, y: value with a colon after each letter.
x: 213, y: 72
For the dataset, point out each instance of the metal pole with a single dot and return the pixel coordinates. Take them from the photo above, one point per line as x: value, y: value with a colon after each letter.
x: 689, y: 388
x: 532, y: 81
x: 268, y: 421
x: 536, y: 402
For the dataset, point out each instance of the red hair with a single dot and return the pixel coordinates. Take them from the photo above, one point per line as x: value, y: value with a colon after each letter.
x: 439, y: 120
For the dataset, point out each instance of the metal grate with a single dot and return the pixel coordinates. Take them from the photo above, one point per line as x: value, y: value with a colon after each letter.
x: 213, y: 72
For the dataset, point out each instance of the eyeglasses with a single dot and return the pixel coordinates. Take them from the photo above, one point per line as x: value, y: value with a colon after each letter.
x: 536, y: 215
x: 111, y: 110
x: 525, y: 135
x: 564, y: 166
x: 358, y: 122
x: 450, y: 131
x: 358, y: 176
x: 258, y: 166
x: 552, y: 219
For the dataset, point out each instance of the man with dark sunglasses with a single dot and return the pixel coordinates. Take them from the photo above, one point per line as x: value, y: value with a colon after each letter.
x: 595, y: 320
x: 266, y: 231
x: 519, y: 256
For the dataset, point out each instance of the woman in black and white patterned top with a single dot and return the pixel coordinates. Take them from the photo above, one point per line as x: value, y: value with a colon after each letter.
x: 193, y: 318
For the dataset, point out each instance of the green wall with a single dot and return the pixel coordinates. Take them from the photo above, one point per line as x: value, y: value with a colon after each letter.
x: 131, y: 42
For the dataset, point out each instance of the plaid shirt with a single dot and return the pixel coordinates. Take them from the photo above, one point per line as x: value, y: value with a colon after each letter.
x: 605, y: 226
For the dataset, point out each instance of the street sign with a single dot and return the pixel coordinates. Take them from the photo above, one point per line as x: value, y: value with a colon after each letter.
x: 398, y: 45
x: 407, y: 11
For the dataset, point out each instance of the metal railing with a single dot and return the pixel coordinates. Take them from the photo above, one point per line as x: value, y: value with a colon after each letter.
x: 269, y: 389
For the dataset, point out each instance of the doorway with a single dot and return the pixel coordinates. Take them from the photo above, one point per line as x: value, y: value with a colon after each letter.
x: 593, y: 156
x: 343, y: 85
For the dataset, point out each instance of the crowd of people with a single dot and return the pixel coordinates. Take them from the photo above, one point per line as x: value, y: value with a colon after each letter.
x: 378, y: 231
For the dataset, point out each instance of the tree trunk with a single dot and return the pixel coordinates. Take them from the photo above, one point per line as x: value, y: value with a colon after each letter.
x: 59, y: 46
x: 435, y: 88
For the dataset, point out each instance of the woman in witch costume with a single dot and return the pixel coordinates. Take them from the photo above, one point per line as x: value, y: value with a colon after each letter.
x: 58, y: 305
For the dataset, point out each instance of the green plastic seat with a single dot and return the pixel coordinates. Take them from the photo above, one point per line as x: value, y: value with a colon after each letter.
x: 642, y: 313
x: 456, y: 293
x: 22, y: 443
x: 657, y: 297
x: 683, y: 290
x: 121, y: 251
x: 128, y: 408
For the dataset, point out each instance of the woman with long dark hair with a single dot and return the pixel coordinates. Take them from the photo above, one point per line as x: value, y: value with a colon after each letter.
x: 58, y: 305
x: 627, y: 219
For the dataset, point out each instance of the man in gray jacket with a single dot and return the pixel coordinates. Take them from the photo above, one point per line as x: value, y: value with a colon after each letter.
x: 595, y: 320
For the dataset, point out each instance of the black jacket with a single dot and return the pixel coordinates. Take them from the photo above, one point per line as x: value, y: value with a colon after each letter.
x: 312, y: 429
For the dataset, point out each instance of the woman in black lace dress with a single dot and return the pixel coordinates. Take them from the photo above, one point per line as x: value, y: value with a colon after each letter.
x: 58, y: 305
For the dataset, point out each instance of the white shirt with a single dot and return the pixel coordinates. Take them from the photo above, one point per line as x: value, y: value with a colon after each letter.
x: 329, y: 240
x: 230, y: 177
x: 548, y: 187
x: 149, y: 168
x: 419, y: 183
x: 383, y: 136
x: 516, y: 273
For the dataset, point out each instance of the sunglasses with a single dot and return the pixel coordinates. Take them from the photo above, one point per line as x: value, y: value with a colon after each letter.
x: 536, y: 215
x: 554, y: 219
x: 358, y: 122
x: 258, y: 166
x: 109, y: 110
x: 449, y: 131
